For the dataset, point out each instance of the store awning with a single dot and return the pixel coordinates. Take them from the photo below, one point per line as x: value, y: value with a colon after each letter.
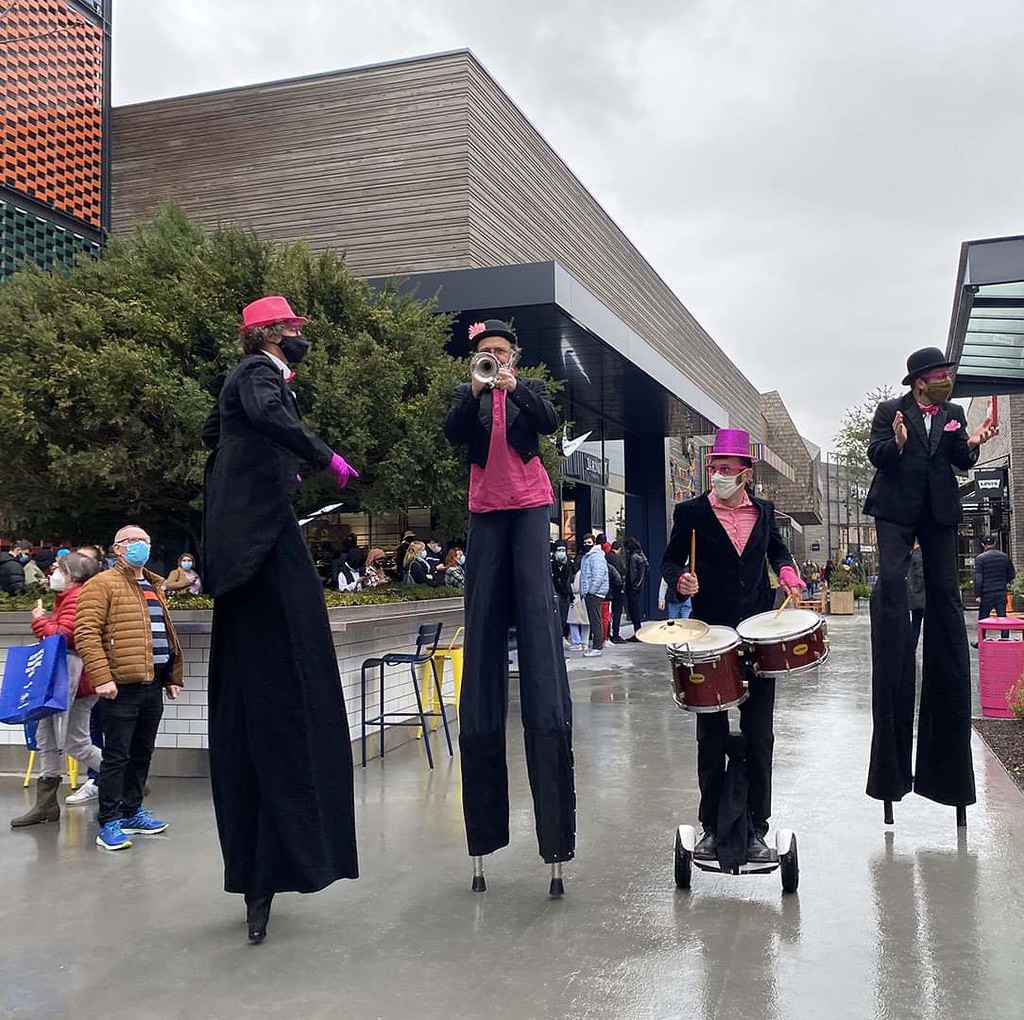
x: 986, y: 333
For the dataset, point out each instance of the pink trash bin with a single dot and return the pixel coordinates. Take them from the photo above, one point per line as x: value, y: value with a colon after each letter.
x: 1000, y: 663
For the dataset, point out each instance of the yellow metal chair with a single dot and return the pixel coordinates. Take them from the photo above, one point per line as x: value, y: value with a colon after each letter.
x: 452, y: 654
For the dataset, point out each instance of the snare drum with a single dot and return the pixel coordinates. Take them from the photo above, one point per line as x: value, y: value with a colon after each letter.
x: 707, y: 673
x: 785, y: 644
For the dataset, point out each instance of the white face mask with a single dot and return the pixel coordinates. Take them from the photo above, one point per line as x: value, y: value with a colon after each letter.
x: 726, y: 485
x: 58, y: 582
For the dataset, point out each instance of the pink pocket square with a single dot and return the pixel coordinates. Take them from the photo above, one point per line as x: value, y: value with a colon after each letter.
x: 951, y: 426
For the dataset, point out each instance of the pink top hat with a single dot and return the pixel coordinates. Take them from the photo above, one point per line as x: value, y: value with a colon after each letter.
x: 732, y: 443
x: 268, y: 310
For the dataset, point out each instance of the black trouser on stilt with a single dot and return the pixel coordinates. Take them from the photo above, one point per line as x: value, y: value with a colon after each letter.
x: 712, y: 733
x: 130, y: 722
x: 944, y: 770
x: 508, y: 581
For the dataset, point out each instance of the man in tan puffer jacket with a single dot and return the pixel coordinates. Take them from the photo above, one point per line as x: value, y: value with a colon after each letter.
x: 125, y: 637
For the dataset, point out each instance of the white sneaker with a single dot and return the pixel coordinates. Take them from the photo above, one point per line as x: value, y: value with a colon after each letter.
x: 592, y: 651
x: 86, y: 792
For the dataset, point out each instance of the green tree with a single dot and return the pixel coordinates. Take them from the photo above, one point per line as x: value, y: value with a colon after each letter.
x: 851, y: 441
x: 108, y: 371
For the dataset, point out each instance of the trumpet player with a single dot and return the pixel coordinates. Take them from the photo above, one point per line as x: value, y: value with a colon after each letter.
x: 499, y: 419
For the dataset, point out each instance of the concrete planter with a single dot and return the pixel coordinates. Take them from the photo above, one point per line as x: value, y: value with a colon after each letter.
x: 359, y: 632
x: 841, y: 603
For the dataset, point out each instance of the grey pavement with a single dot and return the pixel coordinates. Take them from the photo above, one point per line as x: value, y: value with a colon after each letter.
x: 911, y: 923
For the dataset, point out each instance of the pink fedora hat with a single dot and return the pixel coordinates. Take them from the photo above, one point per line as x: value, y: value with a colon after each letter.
x: 268, y: 310
x: 732, y: 443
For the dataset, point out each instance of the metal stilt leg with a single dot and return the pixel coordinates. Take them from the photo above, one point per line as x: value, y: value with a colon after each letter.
x: 961, y: 816
x: 557, y: 887
x: 479, y: 883
x: 889, y: 820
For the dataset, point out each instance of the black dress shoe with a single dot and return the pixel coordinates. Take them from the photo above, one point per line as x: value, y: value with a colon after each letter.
x: 618, y: 640
x: 633, y: 640
x: 706, y: 849
x: 257, y: 914
x: 757, y: 851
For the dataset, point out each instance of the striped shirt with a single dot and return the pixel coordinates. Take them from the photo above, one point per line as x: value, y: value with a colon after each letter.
x: 738, y: 521
x: 157, y: 624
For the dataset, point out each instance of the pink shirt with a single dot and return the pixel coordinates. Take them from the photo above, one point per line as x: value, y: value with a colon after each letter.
x: 506, y: 483
x: 739, y: 522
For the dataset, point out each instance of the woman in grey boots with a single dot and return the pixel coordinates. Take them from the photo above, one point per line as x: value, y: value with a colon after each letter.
x: 67, y: 732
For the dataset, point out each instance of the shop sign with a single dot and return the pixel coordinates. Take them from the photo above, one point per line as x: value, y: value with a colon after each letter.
x: 585, y: 467
x: 990, y: 484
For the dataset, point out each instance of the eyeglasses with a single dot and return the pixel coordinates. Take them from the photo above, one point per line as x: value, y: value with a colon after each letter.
x: 495, y: 350
x: 725, y: 469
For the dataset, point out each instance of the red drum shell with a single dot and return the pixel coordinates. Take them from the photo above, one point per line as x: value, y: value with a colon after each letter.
x: 788, y: 655
x: 711, y: 686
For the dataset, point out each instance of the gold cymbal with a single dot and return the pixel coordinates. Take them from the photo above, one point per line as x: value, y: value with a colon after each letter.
x: 672, y: 632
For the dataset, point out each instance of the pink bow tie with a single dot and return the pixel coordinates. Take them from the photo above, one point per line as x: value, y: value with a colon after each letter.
x: 930, y: 409
x: 291, y: 375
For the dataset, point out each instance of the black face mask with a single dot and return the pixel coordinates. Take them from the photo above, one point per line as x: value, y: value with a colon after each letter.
x: 293, y: 348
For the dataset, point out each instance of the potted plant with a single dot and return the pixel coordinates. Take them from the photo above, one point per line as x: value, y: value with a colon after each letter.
x: 841, y: 591
x: 1017, y: 590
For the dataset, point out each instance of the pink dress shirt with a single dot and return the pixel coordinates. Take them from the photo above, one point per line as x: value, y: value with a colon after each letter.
x: 738, y: 522
x: 506, y: 482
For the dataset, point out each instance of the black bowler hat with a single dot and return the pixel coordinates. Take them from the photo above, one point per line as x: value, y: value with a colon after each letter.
x: 923, y: 361
x: 492, y: 327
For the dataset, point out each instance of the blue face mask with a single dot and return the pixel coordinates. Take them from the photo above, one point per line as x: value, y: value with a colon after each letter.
x: 137, y: 553
x: 186, y: 564
x: 561, y: 555
x: 462, y: 560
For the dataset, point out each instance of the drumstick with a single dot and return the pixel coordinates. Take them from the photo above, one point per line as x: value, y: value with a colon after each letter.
x: 693, y: 553
x: 778, y: 612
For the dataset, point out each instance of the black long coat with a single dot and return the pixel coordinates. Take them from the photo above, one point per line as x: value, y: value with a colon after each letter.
x: 280, y: 750
x: 922, y: 475
x: 732, y: 587
x: 259, y: 444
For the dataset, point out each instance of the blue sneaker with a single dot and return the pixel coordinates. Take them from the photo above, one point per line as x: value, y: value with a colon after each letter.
x: 111, y: 837
x: 142, y: 823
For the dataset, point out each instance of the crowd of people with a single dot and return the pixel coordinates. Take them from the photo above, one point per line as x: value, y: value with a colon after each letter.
x: 593, y: 589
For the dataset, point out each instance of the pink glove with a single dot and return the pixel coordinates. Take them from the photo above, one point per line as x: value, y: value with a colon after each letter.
x: 343, y: 471
x: 791, y: 579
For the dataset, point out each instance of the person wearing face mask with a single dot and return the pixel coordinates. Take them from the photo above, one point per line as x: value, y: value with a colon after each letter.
x: 12, y: 569
x: 184, y: 578
x: 917, y: 443
x: 35, y: 577
x: 280, y: 750
x: 508, y: 580
x: 129, y: 648
x: 65, y: 733
x: 561, y: 576
x: 736, y: 541
x: 455, y: 568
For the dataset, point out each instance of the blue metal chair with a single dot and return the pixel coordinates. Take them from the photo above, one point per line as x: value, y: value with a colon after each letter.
x: 426, y: 645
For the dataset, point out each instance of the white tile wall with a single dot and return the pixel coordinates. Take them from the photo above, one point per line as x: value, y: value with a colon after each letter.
x: 185, y: 721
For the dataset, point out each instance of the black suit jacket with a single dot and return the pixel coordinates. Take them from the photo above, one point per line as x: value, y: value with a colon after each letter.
x: 258, y: 441
x: 732, y: 587
x: 529, y: 414
x: 920, y: 477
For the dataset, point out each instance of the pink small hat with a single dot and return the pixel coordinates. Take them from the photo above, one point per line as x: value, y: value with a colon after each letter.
x: 732, y: 443
x: 268, y: 310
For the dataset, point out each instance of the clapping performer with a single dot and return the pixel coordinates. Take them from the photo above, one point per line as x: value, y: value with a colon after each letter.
x: 917, y: 441
x: 500, y: 418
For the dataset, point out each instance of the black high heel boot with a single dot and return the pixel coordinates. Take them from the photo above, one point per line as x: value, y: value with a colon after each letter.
x: 257, y: 914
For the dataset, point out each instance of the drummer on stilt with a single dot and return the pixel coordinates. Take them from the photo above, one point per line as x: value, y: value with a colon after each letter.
x: 736, y: 539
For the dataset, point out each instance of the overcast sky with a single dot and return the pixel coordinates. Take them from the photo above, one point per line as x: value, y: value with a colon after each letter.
x: 801, y: 172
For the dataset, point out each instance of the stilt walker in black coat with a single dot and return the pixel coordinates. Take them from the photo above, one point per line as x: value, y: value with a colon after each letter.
x: 280, y: 752
x: 508, y: 581
x: 916, y: 442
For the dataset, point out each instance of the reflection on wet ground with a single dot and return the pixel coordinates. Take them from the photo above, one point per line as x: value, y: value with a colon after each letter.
x: 909, y: 923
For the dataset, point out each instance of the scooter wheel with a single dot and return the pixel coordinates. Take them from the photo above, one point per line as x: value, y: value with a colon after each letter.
x: 683, y: 864
x: 789, y: 867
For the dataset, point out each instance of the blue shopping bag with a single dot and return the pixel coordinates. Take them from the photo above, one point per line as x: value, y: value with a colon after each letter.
x: 35, y: 681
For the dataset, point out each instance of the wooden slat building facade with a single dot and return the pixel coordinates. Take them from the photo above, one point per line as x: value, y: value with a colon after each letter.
x: 410, y: 167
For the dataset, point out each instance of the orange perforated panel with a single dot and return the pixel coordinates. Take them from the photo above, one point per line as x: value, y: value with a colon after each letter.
x: 51, y: 88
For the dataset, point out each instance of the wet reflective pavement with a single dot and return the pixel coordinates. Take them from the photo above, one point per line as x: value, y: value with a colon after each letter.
x: 907, y: 923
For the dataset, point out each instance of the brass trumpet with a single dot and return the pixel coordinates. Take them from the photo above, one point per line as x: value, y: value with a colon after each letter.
x: 484, y: 366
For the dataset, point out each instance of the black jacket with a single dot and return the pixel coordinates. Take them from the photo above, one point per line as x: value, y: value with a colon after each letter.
x: 259, y: 443
x: 615, y: 561
x: 529, y: 414
x: 420, y: 573
x: 993, y: 574
x: 561, y: 576
x: 922, y: 475
x: 12, y: 575
x: 637, y: 568
x: 732, y: 587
